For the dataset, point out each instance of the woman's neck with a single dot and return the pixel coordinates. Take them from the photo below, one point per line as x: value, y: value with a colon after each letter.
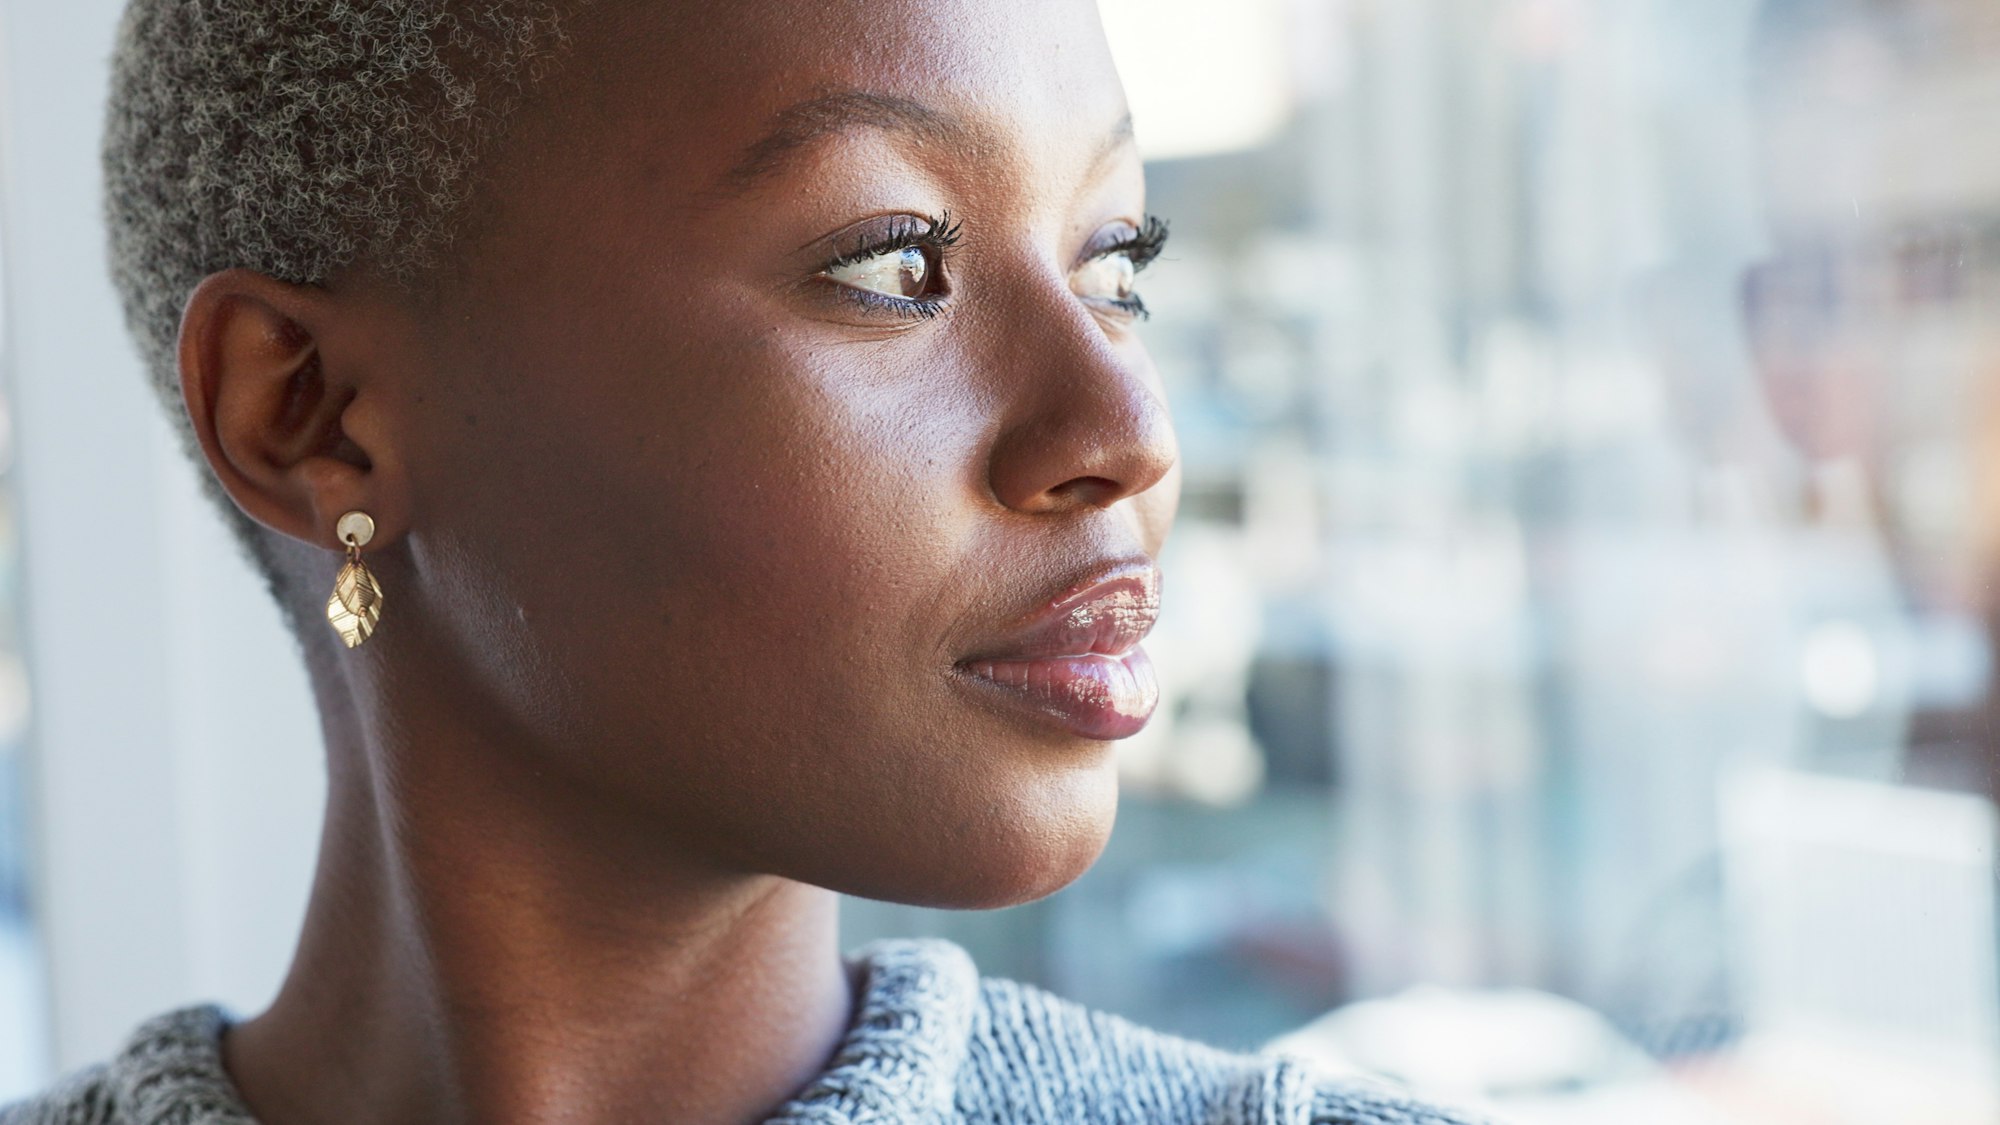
x: 470, y: 955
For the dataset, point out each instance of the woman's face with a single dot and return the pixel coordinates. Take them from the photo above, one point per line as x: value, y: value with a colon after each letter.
x: 787, y: 387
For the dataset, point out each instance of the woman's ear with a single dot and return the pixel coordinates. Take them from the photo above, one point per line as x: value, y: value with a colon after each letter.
x: 273, y: 411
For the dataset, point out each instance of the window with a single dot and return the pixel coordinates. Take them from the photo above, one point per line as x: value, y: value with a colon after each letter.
x: 1580, y: 623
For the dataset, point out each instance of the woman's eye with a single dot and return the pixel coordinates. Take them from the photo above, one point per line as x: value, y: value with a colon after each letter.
x: 904, y: 273
x: 1108, y: 278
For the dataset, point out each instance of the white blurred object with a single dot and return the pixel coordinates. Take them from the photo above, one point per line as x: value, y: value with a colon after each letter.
x: 1836, y: 1079
x: 1214, y: 760
x: 1840, y: 670
x: 1470, y: 1042
x: 1522, y: 1056
x: 1202, y: 78
x: 14, y: 700
x: 1863, y: 918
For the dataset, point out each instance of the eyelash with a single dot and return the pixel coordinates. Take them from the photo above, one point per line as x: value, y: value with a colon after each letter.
x: 1143, y: 246
x: 938, y: 235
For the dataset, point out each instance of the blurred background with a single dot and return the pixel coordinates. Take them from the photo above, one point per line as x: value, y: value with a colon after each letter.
x: 1580, y: 640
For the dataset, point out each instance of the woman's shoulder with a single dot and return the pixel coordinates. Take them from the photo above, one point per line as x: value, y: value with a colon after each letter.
x: 169, y: 1069
x: 940, y: 1042
x: 1118, y: 1070
x: 931, y: 1041
x: 84, y: 1098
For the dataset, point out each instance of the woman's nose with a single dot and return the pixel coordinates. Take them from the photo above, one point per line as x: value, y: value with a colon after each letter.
x: 1086, y: 424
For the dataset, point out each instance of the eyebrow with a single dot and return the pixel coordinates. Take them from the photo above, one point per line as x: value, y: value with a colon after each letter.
x: 814, y: 119
x: 1121, y: 135
x: 811, y: 120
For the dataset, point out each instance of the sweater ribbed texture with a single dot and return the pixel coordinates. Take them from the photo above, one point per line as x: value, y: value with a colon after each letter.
x: 931, y: 1043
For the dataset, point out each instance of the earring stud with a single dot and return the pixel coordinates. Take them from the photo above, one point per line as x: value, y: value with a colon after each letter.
x: 356, y: 605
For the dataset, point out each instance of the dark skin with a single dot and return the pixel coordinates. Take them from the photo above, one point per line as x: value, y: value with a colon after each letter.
x: 680, y: 541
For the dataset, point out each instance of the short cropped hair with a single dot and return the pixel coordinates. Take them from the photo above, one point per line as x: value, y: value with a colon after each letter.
x: 295, y: 138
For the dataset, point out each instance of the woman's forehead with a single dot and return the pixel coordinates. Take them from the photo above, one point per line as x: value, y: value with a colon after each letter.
x: 728, y: 92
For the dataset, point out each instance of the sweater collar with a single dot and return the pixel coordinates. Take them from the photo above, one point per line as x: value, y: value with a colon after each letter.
x: 900, y: 1059
x: 897, y: 1063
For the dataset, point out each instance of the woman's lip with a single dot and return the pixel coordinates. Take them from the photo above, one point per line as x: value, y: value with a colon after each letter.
x: 1107, y: 616
x: 1099, y: 697
x: 1077, y: 660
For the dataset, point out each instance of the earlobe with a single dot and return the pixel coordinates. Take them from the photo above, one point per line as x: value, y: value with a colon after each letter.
x: 268, y: 404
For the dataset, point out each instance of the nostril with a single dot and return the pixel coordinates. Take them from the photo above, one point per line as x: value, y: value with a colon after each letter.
x: 1098, y: 492
x: 1090, y: 431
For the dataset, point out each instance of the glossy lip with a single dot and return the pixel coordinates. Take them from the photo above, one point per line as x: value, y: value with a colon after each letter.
x: 1076, y: 662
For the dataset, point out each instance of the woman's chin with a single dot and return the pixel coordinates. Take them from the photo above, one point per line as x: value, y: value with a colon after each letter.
x: 1005, y: 852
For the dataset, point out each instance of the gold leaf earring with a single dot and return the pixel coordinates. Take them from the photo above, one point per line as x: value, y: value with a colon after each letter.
x: 356, y: 604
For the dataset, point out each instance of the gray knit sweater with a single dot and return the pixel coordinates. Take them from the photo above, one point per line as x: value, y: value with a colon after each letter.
x: 931, y: 1043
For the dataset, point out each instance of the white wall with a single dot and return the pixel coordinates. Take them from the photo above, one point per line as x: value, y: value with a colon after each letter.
x: 175, y: 754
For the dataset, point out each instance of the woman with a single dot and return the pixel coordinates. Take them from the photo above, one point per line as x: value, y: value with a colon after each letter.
x: 705, y: 455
